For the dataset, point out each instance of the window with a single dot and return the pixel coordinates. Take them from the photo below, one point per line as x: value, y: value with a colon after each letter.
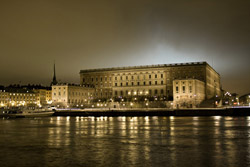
x: 162, y: 82
x: 132, y: 83
x: 161, y: 75
x: 121, y: 93
x: 96, y: 79
x: 155, y: 82
x: 132, y: 77
x: 150, y: 92
x: 149, y: 82
x: 144, y: 83
x: 126, y: 83
x: 138, y: 83
x: 183, y: 89
x: 177, y: 89
x: 155, y: 75
x: 126, y: 77
x: 92, y: 79
x: 121, y: 77
x: 190, y: 89
x: 115, y: 78
x: 121, y: 84
x: 115, y: 84
x: 162, y: 91
x: 101, y: 79
x: 149, y: 76
x: 156, y: 91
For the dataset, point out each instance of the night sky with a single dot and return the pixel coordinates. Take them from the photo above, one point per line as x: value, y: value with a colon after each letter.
x: 82, y: 34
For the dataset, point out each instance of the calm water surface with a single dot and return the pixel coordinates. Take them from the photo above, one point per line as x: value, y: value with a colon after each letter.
x: 125, y: 141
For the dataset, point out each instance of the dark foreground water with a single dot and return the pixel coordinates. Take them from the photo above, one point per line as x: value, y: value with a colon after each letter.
x: 125, y: 141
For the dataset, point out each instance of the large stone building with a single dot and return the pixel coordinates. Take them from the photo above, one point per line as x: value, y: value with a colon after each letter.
x: 188, y: 93
x: 71, y: 95
x: 150, y: 81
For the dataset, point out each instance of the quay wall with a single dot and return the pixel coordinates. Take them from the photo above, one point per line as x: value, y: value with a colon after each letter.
x: 160, y: 112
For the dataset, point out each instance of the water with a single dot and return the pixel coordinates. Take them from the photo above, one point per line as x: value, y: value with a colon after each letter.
x: 125, y: 141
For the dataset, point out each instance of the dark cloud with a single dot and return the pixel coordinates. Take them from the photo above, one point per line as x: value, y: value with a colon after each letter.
x: 81, y: 34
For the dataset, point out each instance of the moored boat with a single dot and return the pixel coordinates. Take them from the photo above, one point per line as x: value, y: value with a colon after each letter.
x: 26, y: 113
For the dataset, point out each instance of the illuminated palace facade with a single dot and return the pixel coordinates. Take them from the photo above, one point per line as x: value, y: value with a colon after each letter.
x: 151, y: 81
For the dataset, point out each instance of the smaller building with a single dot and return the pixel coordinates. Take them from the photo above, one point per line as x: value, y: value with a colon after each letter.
x: 71, y: 95
x: 188, y: 93
x: 41, y: 97
x: 48, y: 96
x: 17, y: 98
x: 245, y: 100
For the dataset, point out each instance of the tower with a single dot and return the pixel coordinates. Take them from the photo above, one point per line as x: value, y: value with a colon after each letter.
x: 54, y: 81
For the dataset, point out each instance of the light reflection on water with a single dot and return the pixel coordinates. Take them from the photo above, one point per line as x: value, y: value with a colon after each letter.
x: 125, y: 141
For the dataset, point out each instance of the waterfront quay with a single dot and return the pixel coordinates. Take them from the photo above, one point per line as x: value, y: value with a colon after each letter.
x: 114, y: 112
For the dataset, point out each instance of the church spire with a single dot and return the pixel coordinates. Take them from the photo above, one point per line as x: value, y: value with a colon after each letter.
x: 54, y: 82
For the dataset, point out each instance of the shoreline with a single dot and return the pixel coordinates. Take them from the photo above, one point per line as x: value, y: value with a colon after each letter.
x: 156, y: 112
